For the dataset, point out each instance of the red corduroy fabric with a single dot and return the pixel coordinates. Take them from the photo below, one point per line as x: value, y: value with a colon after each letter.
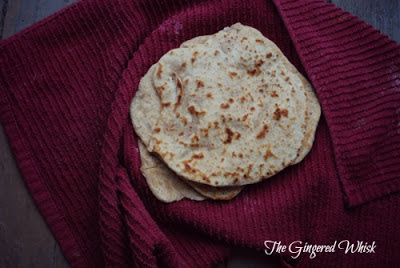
x: 66, y: 86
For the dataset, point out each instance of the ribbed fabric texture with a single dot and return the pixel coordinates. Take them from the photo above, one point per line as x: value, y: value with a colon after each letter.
x: 66, y: 86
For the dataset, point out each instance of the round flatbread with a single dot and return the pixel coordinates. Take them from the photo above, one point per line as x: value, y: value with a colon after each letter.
x: 232, y: 112
x: 164, y: 183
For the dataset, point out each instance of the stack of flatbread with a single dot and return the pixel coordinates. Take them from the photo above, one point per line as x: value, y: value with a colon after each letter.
x: 220, y: 112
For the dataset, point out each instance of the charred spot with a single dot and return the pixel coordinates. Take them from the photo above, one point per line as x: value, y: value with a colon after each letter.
x: 232, y: 74
x: 259, y: 41
x: 216, y: 182
x: 184, y: 121
x: 160, y: 89
x: 231, y: 100
x: 199, y: 84
x: 261, y: 91
x: 181, y: 134
x: 287, y: 78
x: 245, y: 117
x: 222, y: 160
x: 225, y: 105
x: 235, y: 180
x: 159, y: 70
x: 188, y: 169
x: 216, y: 124
x: 183, y: 65
x: 157, y: 130
x: 205, y: 178
x: 242, y: 99
x: 254, y: 72
x: 194, y: 139
x: 267, y: 155
x: 243, y: 39
x: 205, y: 131
x: 279, y: 113
x: 192, y: 111
x: 263, y: 132
x: 259, y: 63
x: 179, y: 85
x: 216, y: 52
x: 198, y: 156
x: 269, y: 55
x: 252, y: 109
x: 274, y: 94
x: 240, y: 155
x: 229, y: 135
x: 209, y: 95
x: 194, y: 58
x: 166, y: 104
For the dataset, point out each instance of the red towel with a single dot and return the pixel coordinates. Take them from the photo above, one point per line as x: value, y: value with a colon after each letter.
x: 66, y: 85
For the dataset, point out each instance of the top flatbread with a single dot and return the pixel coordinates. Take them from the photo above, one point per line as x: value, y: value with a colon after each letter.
x: 233, y: 111
x: 163, y: 182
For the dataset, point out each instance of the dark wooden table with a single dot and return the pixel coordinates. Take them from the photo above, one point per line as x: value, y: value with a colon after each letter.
x: 25, y: 240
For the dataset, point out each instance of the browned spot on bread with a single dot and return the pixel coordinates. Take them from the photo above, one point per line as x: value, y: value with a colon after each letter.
x: 237, y: 136
x: 179, y: 85
x: 216, y: 52
x: 194, y: 58
x: 282, y: 73
x: 225, y: 105
x: 229, y: 135
x: 183, y: 65
x: 245, y: 117
x: 254, y: 72
x: 252, y: 109
x: 243, y: 39
x: 157, y: 141
x: 188, y: 168
x: 279, y: 113
x: 232, y: 74
x: 240, y: 155
x: 199, y: 84
x: 194, y: 138
x: 242, y: 99
x: 274, y: 94
x: 205, y: 131
x: 160, y: 89
x: 231, y: 100
x: 192, y: 111
x: 269, y: 55
x: 287, y: 78
x: 198, y: 156
x: 184, y: 121
x: 166, y: 104
x: 263, y: 132
x: 267, y: 155
x: 231, y: 174
x: 216, y: 124
x: 235, y: 180
x: 157, y: 130
x: 181, y: 134
x: 259, y: 41
x: 222, y: 160
x: 209, y: 95
x: 159, y: 70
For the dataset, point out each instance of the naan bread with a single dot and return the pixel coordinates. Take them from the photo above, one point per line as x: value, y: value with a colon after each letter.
x: 232, y: 111
x: 165, y: 184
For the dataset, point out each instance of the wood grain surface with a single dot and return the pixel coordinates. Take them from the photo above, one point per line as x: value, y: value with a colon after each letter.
x: 25, y: 240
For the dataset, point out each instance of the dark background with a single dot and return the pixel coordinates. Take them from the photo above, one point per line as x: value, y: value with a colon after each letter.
x: 25, y: 240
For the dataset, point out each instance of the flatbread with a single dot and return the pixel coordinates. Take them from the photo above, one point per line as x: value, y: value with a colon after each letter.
x: 165, y: 184
x: 232, y: 112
